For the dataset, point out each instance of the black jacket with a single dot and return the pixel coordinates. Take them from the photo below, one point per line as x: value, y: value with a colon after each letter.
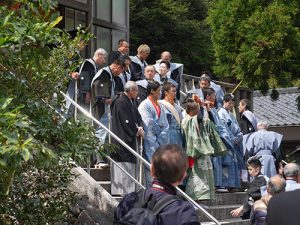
x: 179, y: 212
x: 125, y: 119
x: 284, y: 209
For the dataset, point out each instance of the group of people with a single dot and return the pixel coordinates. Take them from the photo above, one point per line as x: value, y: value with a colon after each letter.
x: 259, y: 204
x: 141, y: 103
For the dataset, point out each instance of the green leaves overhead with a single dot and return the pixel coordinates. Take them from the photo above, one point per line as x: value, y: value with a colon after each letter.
x: 173, y: 25
x: 34, y: 141
x: 257, y: 41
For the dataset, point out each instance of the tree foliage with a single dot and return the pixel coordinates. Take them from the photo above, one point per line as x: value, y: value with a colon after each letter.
x: 174, y: 25
x: 256, y: 41
x: 34, y: 141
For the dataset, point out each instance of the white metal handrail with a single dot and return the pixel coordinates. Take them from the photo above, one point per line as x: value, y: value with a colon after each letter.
x: 89, y: 115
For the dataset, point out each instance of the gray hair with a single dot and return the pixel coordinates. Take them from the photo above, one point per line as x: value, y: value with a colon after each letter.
x: 206, y: 78
x: 291, y: 170
x: 276, y: 184
x: 262, y: 125
x: 100, y: 51
x: 129, y: 86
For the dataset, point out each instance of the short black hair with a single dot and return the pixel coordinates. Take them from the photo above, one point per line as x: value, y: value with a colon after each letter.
x: 120, y: 42
x: 246, y: 103
x: 169, y: 163
x: 167, y: 64
x: 254, y: 162
x: 121, y: 60
x: 205, y: 77
x: 228, y: 97
x: 191, y: 105
x: 207, y: 92
x: 152, y: 85
x: 166, y: 86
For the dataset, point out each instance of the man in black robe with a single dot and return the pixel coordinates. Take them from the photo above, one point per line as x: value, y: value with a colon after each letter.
x: 103, y: 91
x: 248, y: 122
x: 127, y: 125
x: 87, y: 72
x: 123, y: 49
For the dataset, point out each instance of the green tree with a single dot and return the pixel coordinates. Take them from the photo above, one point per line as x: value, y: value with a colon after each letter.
x: 256, y: 41
x: 34, y: 141
x: 173, y: 25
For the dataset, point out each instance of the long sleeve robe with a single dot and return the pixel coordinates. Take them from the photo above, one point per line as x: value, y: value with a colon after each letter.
x: 264, y: 144
x: 230, y: 121
x: 226, y: 172
x: 156, y: 128
x: 174, y: 117
x: 200, y: 183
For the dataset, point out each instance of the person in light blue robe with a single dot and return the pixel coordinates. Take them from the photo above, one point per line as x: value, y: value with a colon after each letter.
x: 173, y: 113
x: 264, y: 144
x: 226, y: 172
x: 205, y: 82
x: 156, y: 125
x: 235, y: 132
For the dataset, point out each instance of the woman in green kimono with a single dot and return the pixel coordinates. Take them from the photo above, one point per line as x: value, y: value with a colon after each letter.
x: 202, y: 142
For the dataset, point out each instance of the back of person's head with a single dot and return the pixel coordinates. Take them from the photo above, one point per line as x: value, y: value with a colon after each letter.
x: 276, y: 185
x: 169, y: 163
x: 152, y: 85
x: 254, y: 162
x: 191, y: 106
x: 262, y: 125
x: 291, y: 170
x: 228, y: 97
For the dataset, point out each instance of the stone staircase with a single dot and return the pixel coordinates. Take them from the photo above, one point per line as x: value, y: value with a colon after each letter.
x: 220, y: 207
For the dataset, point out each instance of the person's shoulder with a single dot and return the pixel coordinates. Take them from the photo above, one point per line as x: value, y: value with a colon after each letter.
x: 286, y: 195
x: 185, y: 211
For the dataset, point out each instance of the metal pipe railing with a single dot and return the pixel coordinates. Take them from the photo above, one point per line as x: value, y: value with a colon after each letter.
x: 87, y: 114
x: 121, y: 168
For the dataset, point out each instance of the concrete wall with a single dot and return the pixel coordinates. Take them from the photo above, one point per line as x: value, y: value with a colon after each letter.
x: 93, y: 198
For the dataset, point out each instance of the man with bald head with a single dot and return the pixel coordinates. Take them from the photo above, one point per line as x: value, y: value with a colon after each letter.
x: 149, y: 74
x: 292, y: 175
x: 284, y: 209
x: 175, y: 70
x: 276, y: 185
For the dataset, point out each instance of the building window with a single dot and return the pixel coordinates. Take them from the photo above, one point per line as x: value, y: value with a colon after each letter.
x: 69, y: 19
x: 103, y: 10
x: 119, y: 12
x: 74, y: 18
x: 80, y: 18
x: 116, y: 36
x: 103, y: 38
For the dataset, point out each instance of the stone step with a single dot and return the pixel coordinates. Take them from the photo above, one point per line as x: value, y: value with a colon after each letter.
x: 106, y: 185
x: 236, y: 221
x: 228, y: 198
x: 220, y: 212
x: 100, y: 174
